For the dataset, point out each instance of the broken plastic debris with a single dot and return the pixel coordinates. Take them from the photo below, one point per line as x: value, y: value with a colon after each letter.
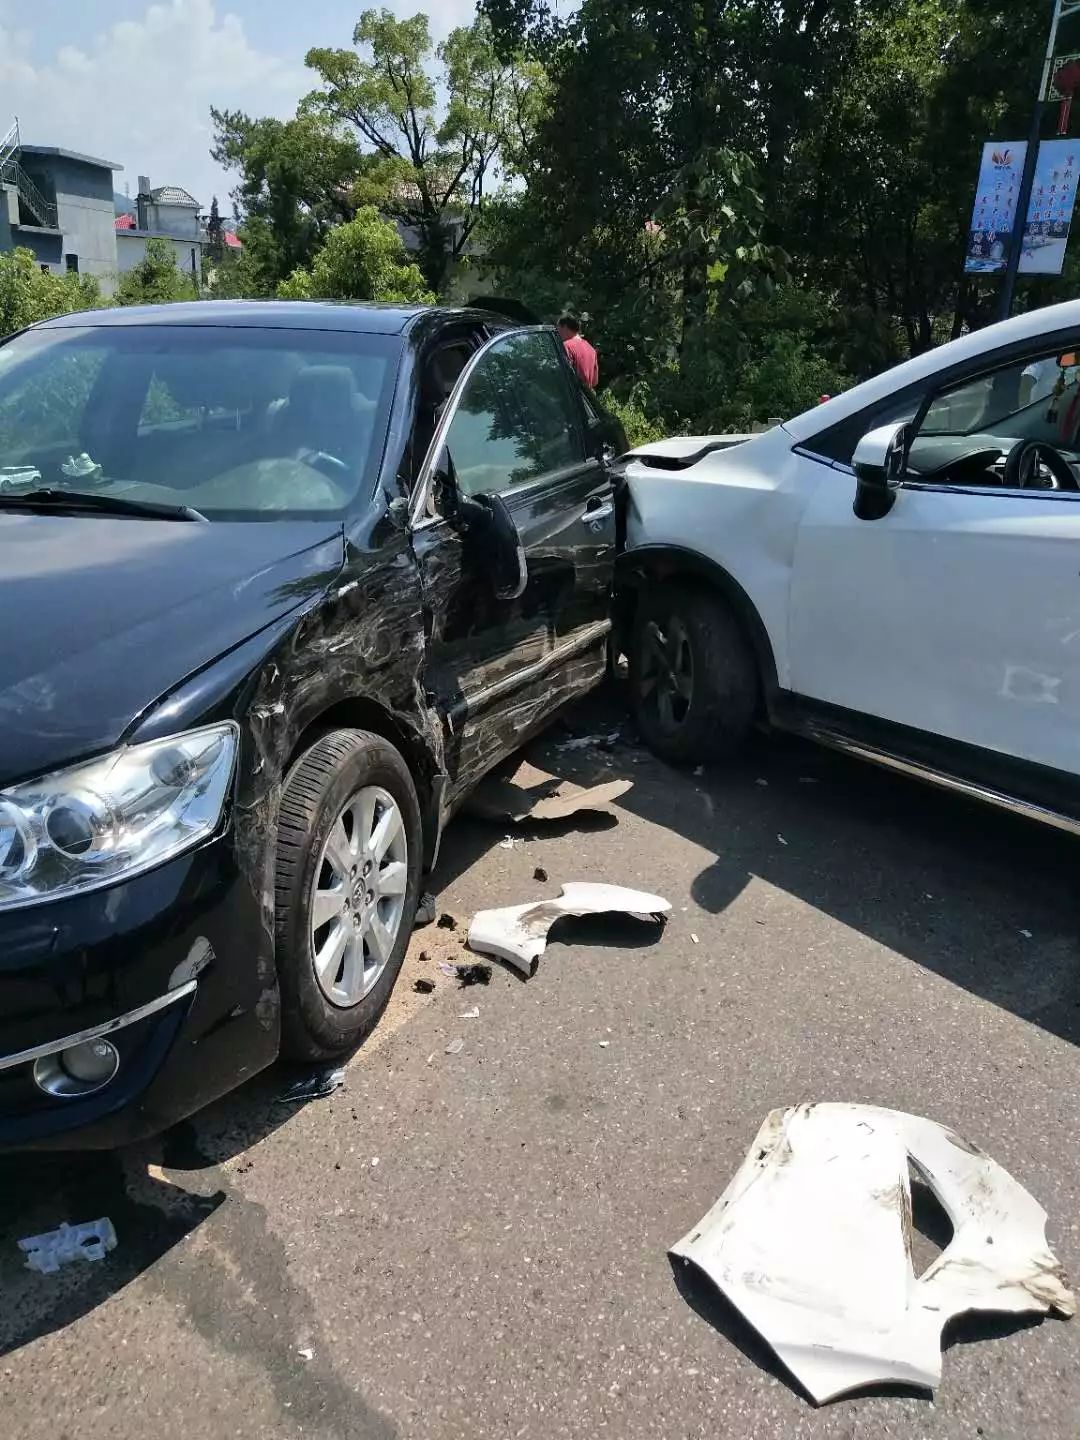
x: 423, y: 987
x: 473, y: 1014
x: 590, y: 742
x: 502, y: 800
x: 1026, y: 934
x: 518, y: 933
x: 604, y: 1044
x: 426, y: 910
x: 306, y: 1354
x: 811, y: 1241
x: 781, y: 839
x: 447, y: 922
x: 693, y: 939
x: 508, y: 843
x: 316, y: 1086
x: 90, y: 1241
x: 473, y: 975
x: 763, y: 783
x: 455, y: 1047
x: 540, y: 874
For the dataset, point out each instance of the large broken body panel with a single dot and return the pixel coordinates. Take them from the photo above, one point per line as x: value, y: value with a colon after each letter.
x: 811, y: 1241
x: 519, y: 933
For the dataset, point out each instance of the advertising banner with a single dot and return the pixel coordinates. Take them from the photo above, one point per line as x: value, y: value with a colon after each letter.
x: 1053, y: 193
x: 995, y: 206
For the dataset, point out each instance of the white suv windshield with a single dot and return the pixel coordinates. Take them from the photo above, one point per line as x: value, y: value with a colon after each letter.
x: 236, y: 423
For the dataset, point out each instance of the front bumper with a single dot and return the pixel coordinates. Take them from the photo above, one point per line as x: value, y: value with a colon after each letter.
x: 174, y: 967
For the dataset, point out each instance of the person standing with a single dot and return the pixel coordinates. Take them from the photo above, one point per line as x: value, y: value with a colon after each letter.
x: 582, y: 355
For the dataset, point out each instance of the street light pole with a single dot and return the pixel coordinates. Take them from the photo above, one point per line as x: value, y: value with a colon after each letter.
x: 1062, y: 10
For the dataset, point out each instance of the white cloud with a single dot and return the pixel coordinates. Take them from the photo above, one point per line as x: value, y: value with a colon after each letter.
x: 140, y: 93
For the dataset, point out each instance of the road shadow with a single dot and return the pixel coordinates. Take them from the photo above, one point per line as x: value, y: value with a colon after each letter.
x: 40, y: 1192
x: 981, y: 897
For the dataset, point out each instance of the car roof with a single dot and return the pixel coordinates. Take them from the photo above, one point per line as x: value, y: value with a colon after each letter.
x: 359, y: 317
x: 1033, y: 326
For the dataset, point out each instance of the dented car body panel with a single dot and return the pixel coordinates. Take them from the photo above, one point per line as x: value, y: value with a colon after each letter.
x: 288, y: 628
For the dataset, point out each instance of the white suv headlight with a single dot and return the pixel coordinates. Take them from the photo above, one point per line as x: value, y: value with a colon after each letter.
x: 114, y: 817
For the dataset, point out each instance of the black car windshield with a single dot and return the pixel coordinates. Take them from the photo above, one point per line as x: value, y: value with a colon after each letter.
x: 236, y: 423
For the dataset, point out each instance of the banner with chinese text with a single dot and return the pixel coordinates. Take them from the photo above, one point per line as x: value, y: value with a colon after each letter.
x: 1053, y: 193
x: 995, y: 206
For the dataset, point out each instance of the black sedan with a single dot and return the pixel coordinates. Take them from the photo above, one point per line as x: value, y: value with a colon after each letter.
x: 280, y: 583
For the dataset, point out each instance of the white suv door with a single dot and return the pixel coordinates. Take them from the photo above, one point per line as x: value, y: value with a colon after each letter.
x: 958, y: 612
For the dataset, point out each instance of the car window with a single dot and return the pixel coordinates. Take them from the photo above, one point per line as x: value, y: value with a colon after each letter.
x: 238, y: 423
x: 516, y: 419
x: 969, y: 428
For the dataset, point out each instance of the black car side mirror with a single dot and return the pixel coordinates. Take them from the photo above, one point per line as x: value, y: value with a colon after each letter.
x: 878, y: 462
x: 488, y: 525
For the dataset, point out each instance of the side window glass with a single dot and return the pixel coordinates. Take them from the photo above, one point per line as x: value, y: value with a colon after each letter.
x: 839, y: 441
x: 516, y: 420
x: 970, y: 428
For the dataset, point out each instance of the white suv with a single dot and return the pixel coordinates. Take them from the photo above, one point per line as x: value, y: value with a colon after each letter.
x: 895, y: 573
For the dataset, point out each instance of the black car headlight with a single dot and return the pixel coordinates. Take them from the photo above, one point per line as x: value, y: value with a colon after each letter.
x: 113, y: 817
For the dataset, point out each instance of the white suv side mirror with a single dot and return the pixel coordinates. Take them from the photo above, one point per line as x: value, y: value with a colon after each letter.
x: 878, y: 463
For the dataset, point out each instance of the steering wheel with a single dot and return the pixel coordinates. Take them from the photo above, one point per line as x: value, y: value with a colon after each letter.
x: 1022, y: 467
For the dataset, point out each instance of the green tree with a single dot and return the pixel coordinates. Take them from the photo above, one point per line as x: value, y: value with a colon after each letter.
x: 429, y: 167
x: 297, y: 180
x: 29, y: 294
x: 362, y: 260
x: 155, y: 280
x: 215, y: 234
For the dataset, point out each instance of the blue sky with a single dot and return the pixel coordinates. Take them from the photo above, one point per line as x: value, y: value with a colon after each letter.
x: 133, y: 81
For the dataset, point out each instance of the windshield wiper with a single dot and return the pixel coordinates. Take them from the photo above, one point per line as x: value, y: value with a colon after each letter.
x: 98, y: 502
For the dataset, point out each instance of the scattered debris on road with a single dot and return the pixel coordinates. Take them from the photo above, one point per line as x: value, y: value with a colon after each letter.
x: 90, y: 1241
x: 447, y: 922
x: 425, y: 911
x: 424, y: 987
x: 502, y: 800
x: 473, y: 1014
x: 811, y: 1241
x: 781, y: 839
x: 316, y: 1086
x: 475, y: 974
x: 455, y: 1047
x: 518, y: 933
x: 591, y: 742
x: 540, y: 874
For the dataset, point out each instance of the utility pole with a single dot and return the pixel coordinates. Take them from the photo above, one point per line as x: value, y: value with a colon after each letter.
x: 1063, y: 9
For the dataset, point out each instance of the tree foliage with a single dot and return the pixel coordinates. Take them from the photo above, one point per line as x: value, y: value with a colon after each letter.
x: 361, y: 260
x: 155, y: 280
x: 831, y: 145
x: 29, y: 294
x: 296, y: 182
x: 429, y: 167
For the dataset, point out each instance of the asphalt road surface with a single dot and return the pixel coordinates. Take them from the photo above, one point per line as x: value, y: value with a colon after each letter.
x: 475, y: 1244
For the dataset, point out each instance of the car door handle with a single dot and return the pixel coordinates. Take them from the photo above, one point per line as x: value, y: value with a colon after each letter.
x: 597, y: 515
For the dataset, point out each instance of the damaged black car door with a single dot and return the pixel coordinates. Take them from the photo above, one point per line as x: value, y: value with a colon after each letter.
x: 513, y: 527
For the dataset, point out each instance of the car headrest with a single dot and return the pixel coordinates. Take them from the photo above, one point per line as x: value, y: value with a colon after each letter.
x: 322, y: 391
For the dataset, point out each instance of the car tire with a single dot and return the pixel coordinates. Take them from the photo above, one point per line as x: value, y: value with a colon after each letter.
x: 348, y: 782
x: 703, y: 704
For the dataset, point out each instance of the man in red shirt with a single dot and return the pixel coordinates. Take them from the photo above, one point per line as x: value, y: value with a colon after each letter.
x: 582, y: 355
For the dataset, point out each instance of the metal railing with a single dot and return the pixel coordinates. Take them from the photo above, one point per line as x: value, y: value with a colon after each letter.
x: 12, y: 173
x: 10, y: 143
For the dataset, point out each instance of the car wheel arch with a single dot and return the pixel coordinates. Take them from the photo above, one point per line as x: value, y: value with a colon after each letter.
x: 360, y: 712
x: 652, y: 563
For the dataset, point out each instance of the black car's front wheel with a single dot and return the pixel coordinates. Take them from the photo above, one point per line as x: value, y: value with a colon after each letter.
x: 693, y: 680
x: 347, y: 888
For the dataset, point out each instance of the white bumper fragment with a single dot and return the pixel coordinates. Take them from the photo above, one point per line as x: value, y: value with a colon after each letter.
x: 811, y: 1241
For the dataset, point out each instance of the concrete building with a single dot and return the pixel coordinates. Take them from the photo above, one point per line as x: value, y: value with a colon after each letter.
x: 59, y: 204
x: 167, y: 213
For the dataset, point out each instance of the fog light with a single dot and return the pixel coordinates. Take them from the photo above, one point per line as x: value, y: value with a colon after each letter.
x: 78, y: 1070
